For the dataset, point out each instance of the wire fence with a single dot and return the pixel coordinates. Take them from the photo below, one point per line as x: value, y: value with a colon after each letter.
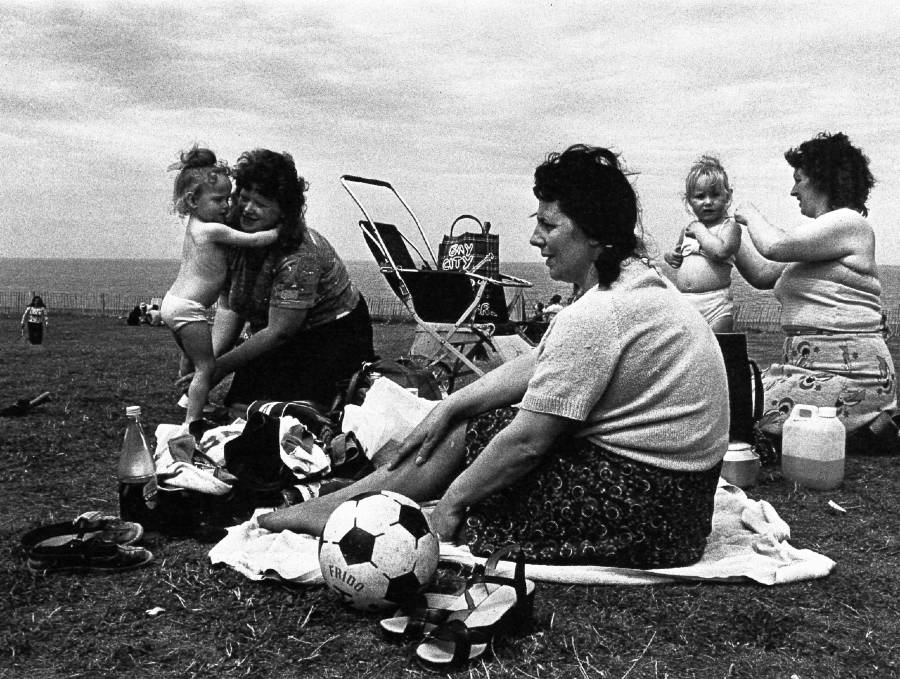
x: 755, y: 316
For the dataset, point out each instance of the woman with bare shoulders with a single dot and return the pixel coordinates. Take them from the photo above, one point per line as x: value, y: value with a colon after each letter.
x: 824, y: 275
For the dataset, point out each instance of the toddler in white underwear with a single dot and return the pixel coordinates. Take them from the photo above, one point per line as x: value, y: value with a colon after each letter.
x: 202, y: 193
x: 704, y: 255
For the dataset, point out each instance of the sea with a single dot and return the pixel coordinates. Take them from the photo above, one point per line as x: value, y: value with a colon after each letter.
x: 149, y: 278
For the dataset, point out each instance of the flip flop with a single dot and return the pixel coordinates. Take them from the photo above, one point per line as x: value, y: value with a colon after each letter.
x: 86, y: 556
x: 86, y: 526
x: 492, y: 603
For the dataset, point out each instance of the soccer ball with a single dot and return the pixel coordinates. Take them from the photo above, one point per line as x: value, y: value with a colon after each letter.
x: 377, y: 550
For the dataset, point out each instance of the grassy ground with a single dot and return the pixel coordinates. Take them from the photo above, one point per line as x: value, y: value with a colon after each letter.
x: 60, y: 461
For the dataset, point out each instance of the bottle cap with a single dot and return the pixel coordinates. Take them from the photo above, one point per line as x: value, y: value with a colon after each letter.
x: 133, y: 411
x: 827, y: 411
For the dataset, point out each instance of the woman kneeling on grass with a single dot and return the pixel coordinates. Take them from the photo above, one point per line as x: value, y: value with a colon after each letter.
x: 825, y: 276
x: 612, y: 452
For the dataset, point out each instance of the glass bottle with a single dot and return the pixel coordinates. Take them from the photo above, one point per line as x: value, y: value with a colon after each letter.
x: 136, y: 473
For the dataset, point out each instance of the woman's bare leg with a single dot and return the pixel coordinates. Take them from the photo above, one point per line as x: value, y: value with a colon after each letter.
x: 419, y: 483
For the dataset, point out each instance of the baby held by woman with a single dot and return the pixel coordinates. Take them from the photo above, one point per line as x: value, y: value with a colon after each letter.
x: 202, y: 194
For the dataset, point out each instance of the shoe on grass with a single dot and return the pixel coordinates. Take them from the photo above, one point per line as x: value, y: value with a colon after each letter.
x: 86, y: 556
x: 86, y: 526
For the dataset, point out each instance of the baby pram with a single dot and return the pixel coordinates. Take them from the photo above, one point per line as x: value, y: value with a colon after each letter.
x: 446, y: 305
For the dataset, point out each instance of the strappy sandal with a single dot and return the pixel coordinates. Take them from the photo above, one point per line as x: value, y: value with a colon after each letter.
x: 492, y: 603
x: 415, y: 619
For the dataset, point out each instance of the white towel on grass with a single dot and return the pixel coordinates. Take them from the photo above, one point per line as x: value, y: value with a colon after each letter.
x: 749, y: 543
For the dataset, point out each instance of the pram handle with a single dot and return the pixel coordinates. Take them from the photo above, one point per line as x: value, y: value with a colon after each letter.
x: 364, y: 180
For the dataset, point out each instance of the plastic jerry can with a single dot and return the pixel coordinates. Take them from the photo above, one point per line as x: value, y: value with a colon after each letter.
x: 812, y: 447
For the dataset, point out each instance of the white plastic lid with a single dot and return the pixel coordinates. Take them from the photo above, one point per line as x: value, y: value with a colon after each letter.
x: 738, y: 445
x: 827, y: 411
x: 740, y: 453
x: 133, y: 411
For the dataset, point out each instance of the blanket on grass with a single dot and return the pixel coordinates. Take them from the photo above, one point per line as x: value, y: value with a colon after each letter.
x: 748, y: 542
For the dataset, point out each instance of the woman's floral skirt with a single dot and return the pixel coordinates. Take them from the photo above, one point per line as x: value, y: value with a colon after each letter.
x: 586, y: 505
x: 852, y: 372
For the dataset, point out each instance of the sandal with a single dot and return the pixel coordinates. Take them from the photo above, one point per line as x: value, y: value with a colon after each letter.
x: 86, y: 526
x: 424, y: 613
x: 86, y: 556
x: 492, y: 602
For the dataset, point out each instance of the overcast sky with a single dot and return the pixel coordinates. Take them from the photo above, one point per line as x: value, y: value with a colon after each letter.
x: 455, y: 103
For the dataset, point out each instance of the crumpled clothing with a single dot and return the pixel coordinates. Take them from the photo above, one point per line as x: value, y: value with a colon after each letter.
x: 257, y: 554
x: 299, y: 450
x: 172, y: 473
x: 389, y: 413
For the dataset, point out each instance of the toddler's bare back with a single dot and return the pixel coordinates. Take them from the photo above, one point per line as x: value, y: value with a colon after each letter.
x: 203, y: 267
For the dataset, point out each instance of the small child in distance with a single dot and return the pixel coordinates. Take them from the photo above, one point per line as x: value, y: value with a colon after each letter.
x: 202, y: 193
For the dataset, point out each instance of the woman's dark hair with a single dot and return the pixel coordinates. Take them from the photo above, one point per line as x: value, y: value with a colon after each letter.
x: 36, y: 301
x: 837, y: 168
x: 197, y: 167
x: 274, y: 175
x: 593, y: 190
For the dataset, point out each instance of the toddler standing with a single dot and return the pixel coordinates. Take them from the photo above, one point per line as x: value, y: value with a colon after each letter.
x: 202, y: 192
x: 704, y: 255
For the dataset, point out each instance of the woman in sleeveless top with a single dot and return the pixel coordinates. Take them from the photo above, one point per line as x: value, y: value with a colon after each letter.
x: 824, y: 275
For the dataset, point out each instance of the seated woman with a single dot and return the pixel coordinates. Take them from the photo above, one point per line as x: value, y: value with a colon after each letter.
x: 309, y: 325
x: 825, y: 277
x: 601, y: 446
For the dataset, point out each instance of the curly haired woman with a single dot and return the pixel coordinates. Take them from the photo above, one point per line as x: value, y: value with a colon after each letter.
x: 309, y: 324
x: 824, y: 275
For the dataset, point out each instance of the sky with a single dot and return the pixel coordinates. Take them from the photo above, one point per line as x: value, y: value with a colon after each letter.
x: 453, y: 103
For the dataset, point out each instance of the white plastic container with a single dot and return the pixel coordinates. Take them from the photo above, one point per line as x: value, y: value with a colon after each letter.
x: 812, y: 447
x: 740, y: 466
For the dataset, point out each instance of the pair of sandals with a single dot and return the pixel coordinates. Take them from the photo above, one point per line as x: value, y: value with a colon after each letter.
x: 91, y: 543
x: 457, y: 628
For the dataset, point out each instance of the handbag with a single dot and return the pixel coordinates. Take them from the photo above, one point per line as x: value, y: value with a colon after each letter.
x: 477, y: 252
x: 467, y: 250
x: 745, y: 388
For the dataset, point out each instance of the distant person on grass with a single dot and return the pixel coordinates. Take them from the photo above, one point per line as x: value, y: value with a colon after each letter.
x: 824, y: 274
x: 134, y: 316
x: 202, y: 192
x: 704, y: 255
x: 601, y: 446
x: 35, y: 319
x: 309, y: 324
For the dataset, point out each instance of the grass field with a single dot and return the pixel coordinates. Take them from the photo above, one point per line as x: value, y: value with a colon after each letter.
x: 60, y: 460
